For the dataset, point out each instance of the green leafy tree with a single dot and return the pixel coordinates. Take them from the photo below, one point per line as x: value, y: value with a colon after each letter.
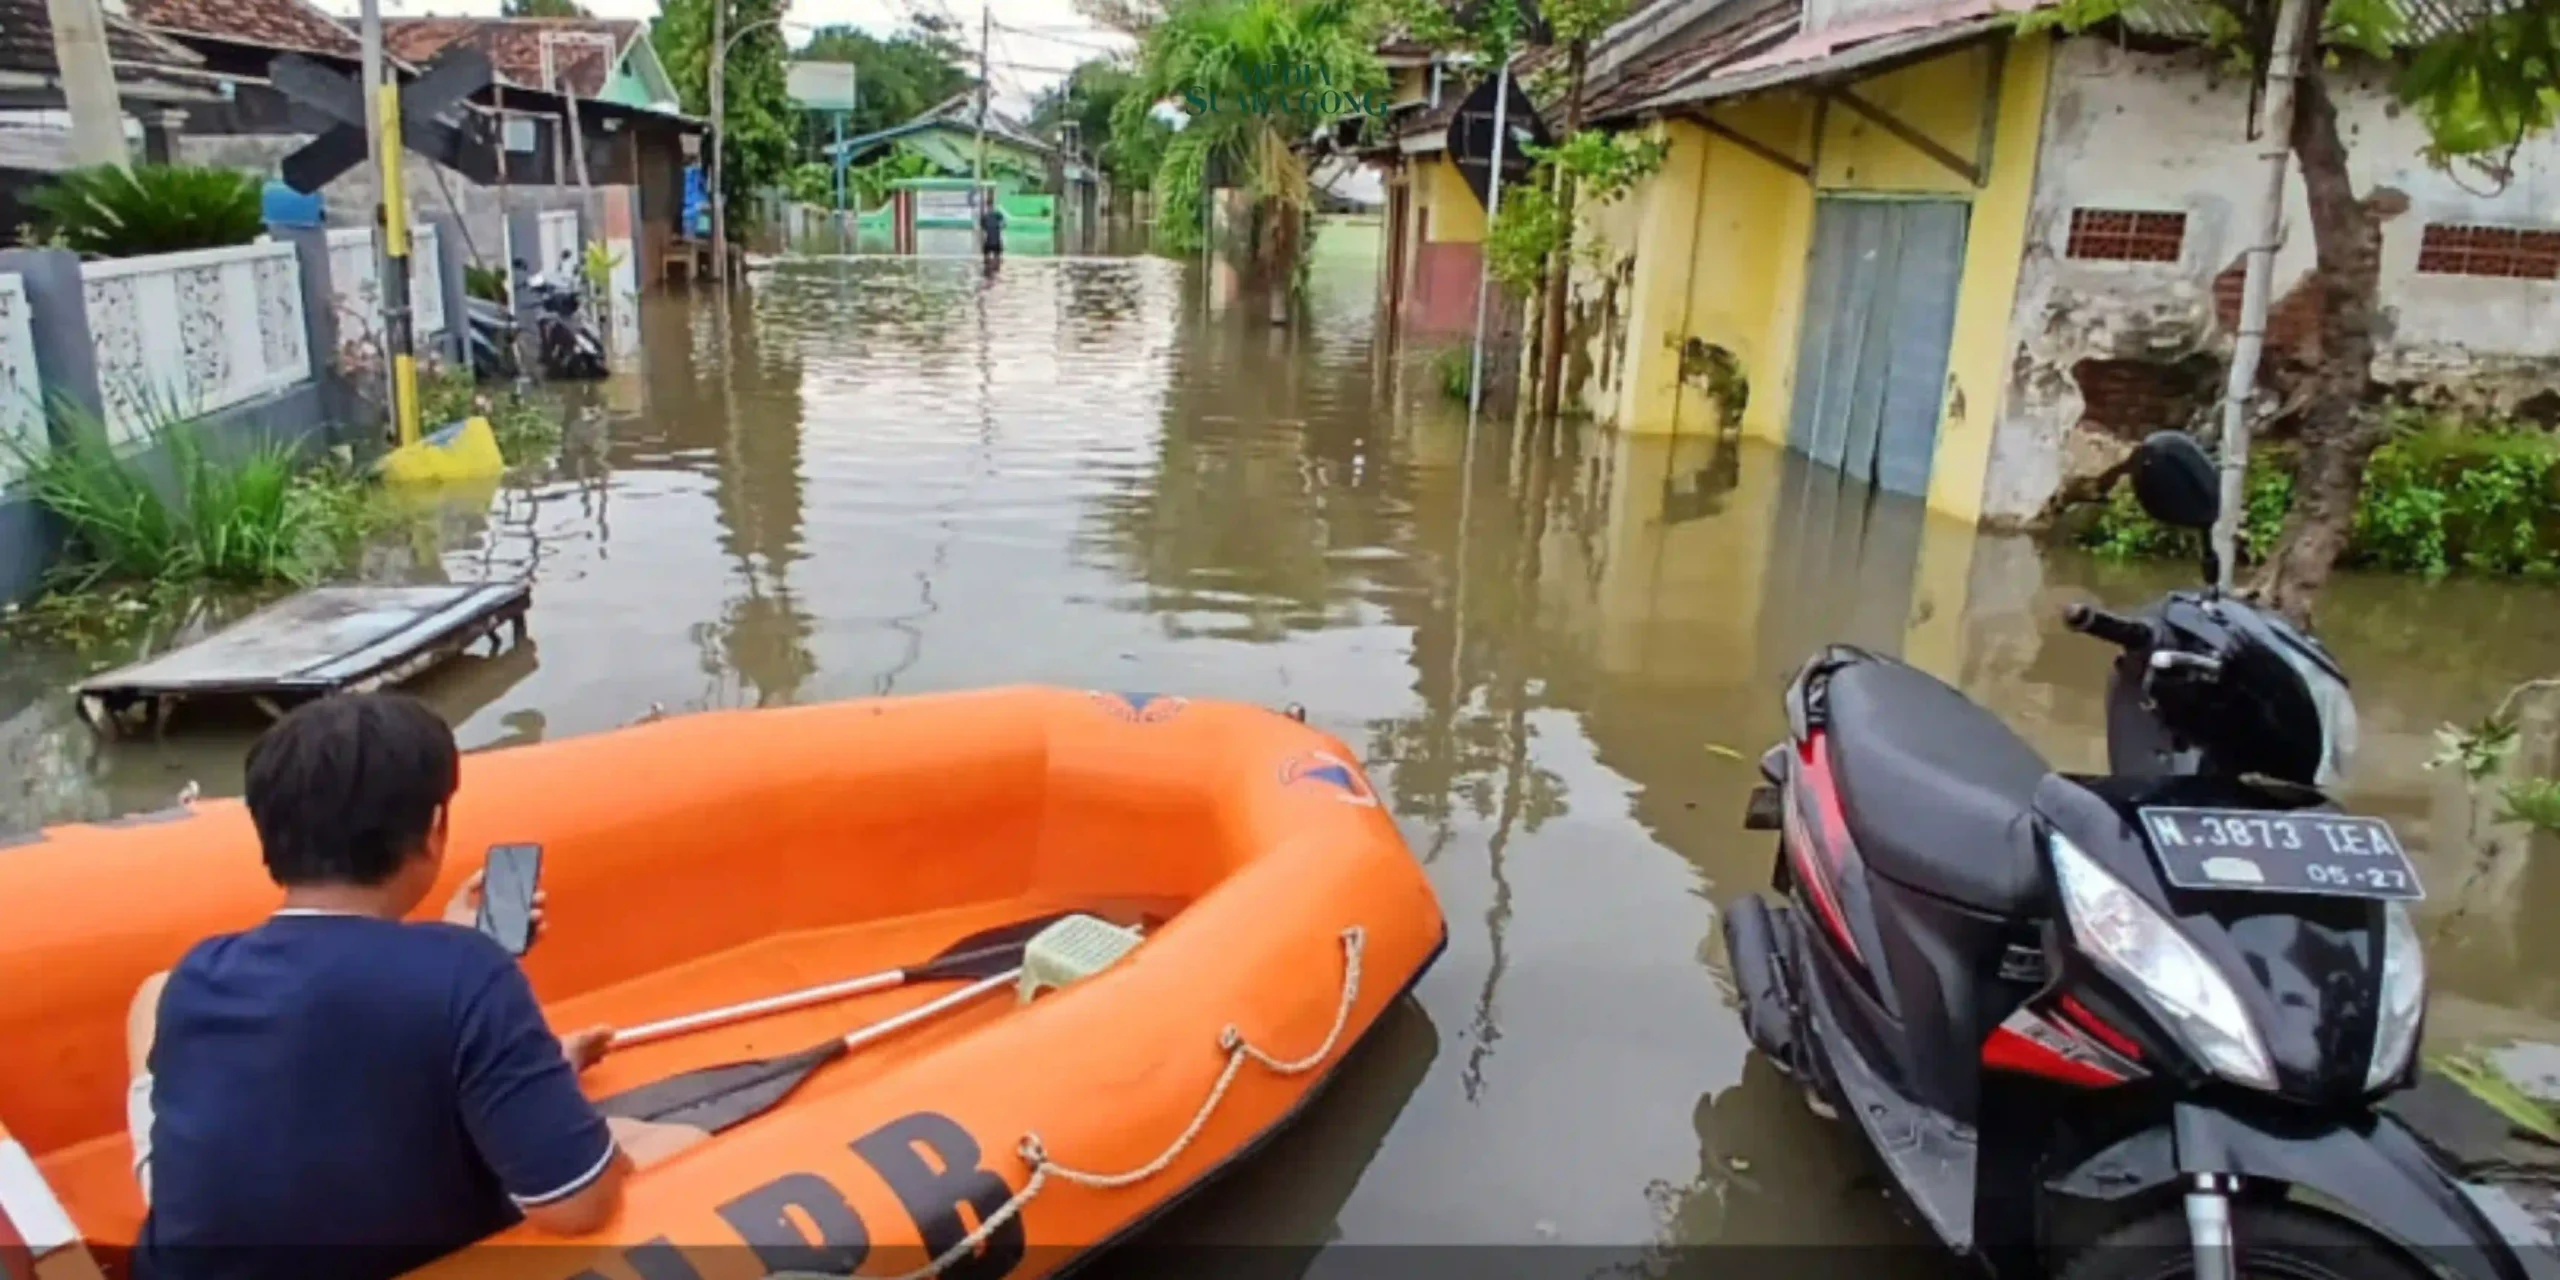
x: 1091, y: 98
x: 543, y: 9
x: 1572, y: 24
x: 2481, y: 90
x: 757, y: 115
x: 900, y: 77
x: 1257, y: 77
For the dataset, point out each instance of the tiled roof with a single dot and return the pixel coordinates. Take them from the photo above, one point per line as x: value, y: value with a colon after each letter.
x: 283, y: 25
x: 26, y: 41
x: 514, y: 46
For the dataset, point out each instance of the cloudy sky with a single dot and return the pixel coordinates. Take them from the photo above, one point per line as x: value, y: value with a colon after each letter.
x: 1035, y: 41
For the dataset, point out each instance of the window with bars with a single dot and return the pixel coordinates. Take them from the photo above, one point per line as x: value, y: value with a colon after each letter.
x: 2127, y: 235
x: 2509, y: 253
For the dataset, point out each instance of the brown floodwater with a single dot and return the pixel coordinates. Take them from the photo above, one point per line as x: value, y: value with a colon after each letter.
x: 1559, y: 654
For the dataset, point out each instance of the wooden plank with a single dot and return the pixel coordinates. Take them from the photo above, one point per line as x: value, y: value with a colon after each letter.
x: 320, y: 641
x: 1800, y: 168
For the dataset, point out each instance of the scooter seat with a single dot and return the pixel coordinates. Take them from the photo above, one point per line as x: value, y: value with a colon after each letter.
x: 1936, y: 790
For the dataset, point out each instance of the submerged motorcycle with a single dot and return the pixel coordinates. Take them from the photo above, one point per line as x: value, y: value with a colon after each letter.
x: 2118, y: 1027
x: 565, y: 346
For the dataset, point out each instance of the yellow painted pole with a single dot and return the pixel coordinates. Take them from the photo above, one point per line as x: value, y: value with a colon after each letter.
x: 395, y: 284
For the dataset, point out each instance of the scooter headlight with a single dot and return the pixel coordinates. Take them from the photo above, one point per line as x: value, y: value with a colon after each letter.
x: 2144, y: 951
x: 2404, y: 997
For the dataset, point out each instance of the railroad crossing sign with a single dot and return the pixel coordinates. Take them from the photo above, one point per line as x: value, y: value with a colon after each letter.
x: 468, y: 149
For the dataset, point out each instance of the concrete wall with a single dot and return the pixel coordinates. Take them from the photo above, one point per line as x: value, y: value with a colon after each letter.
x: 2103, y: 351
x: 433, y: 191
x: 313, y: 415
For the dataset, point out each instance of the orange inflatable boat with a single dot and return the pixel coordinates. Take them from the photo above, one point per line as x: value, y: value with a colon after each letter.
x: 728, y: 857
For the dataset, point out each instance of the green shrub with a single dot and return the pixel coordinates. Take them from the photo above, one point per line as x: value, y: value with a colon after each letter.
x: 254, y: 518
x: 812, y: 183
x: 2122, y: 531
x: 2437, y: 498
x: 110, y: 212
x: 489, y: 284
x: 1452, y: 368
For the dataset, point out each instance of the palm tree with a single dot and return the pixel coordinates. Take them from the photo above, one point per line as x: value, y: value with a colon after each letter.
x: 1259, y: 77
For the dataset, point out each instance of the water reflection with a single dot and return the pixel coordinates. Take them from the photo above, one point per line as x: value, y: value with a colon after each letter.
x: 1559, y: 652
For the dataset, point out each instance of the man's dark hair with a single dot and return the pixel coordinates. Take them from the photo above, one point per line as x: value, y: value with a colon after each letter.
x: 344, y: 789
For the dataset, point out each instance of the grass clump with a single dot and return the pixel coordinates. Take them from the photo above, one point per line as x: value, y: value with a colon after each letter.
x: 527, y: 428
x: 171, y: 513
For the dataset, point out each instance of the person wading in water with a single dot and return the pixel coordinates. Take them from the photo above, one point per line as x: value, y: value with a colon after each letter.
x: 990, y: 230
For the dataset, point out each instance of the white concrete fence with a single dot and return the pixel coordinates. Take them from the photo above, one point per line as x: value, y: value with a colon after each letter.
x: 181, y: 335
x: 21, y: 398
x: 357, y: 286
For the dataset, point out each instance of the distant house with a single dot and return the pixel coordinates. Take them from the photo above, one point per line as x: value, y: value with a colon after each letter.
x: 947, y: 135
x: 154, y: 77
x: 240, y: 38
x: 1434, y: 223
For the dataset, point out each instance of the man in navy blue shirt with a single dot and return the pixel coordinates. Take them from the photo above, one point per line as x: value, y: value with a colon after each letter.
x: 339, y: 1093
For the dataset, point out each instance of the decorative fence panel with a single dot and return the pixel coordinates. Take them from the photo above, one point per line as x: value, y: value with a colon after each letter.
x: 180, y: 335
x: 354, y: 286
x: 21, y: 399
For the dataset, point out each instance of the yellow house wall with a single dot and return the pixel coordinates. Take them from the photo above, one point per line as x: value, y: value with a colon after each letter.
x: 1995, y: 248
x: 1744, y: 227
x: 1746, y: 288
x: 1454, y: 215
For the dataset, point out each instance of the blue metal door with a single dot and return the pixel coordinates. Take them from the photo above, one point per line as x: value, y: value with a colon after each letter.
x: 1871, y: 356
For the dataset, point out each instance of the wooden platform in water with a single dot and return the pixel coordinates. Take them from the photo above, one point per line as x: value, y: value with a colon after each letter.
x: 322, y: 641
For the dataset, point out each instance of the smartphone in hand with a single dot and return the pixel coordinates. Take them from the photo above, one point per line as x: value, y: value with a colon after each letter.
x: 506, y: 895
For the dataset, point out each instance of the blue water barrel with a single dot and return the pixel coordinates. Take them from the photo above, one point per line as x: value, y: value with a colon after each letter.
x: 286, y: 207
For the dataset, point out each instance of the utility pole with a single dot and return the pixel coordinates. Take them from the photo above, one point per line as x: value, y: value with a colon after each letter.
x: 986, y: 29
x: 1492, y: 212
x: 88, y: 81
x: 719, y: 204
x: 393, y: 220
x: 2275, y: 133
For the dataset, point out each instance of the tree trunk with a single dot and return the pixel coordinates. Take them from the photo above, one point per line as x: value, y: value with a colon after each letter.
x: 2339, y: 432
x: 1559, y: 270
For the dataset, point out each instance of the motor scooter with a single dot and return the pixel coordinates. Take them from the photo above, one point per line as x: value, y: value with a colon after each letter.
x: 565, y: 346
x: 2121, y: 1027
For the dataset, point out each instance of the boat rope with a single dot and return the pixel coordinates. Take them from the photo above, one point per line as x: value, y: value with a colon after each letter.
x: 1238, y: 1050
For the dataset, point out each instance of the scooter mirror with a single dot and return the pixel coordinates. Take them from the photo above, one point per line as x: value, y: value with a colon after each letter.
x: 2174, y: 480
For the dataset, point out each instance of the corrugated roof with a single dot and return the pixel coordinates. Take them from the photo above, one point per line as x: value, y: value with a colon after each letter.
x: 2423, y: 20
x: 1738, y: 60
x: 514, y: 46
x: 1798, y: 61
x: 281, y: 25
x: 1653, y: 72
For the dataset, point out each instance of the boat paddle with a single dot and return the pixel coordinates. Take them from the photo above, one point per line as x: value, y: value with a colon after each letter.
x: 712, y: 1099
x: 980, y: 955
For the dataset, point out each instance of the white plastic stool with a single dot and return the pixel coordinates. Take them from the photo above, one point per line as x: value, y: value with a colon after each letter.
x: 1072, y: 950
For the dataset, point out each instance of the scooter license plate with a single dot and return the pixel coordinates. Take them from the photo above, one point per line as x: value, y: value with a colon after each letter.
x: 2254, y: 851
